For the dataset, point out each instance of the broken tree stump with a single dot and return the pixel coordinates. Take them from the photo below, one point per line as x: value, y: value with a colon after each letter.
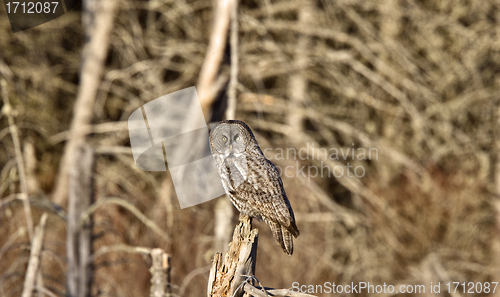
x: 229, y: 273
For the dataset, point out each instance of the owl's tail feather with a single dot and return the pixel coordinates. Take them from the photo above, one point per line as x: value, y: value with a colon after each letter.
x: 282, y: 236
x: 293, y: 229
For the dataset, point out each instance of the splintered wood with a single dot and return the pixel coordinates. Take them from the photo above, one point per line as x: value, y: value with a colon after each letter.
x: 228, y: 274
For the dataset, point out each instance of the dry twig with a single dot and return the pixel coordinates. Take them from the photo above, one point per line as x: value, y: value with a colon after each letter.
x: 8, y: 111
x: 34, y: 262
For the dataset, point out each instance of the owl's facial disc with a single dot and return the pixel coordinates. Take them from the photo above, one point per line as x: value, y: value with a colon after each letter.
x: 229, y: 140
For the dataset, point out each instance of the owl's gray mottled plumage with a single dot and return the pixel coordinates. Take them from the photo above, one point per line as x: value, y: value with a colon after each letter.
x: 251, y: 181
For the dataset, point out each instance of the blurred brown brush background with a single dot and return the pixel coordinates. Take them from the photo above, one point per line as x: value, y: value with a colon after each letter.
x: 416, y: 80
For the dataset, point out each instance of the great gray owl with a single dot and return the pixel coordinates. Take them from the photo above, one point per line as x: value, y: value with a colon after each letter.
x: 251, y: 181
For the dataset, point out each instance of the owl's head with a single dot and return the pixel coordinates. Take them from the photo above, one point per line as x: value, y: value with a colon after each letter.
x: 231, y: 137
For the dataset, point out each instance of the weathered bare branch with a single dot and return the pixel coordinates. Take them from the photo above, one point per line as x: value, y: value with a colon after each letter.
x: 98, y: 17
x: 160, y: 274
x: 79, y: 238
x: 8, y: 111
x: 265, y: 292
x: 214, y: 55
x: 34, y: 261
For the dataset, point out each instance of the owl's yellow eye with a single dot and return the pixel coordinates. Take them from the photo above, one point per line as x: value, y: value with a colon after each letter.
x: 237, y: 138
x: 224, y: 138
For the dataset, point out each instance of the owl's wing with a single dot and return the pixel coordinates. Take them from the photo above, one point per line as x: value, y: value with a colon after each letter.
x: 266, y: 194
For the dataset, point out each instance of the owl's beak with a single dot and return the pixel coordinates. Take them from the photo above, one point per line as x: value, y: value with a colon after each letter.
x: 230, y: 147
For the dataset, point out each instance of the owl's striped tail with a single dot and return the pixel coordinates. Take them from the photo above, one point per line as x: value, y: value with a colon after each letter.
x: 283, y: 236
